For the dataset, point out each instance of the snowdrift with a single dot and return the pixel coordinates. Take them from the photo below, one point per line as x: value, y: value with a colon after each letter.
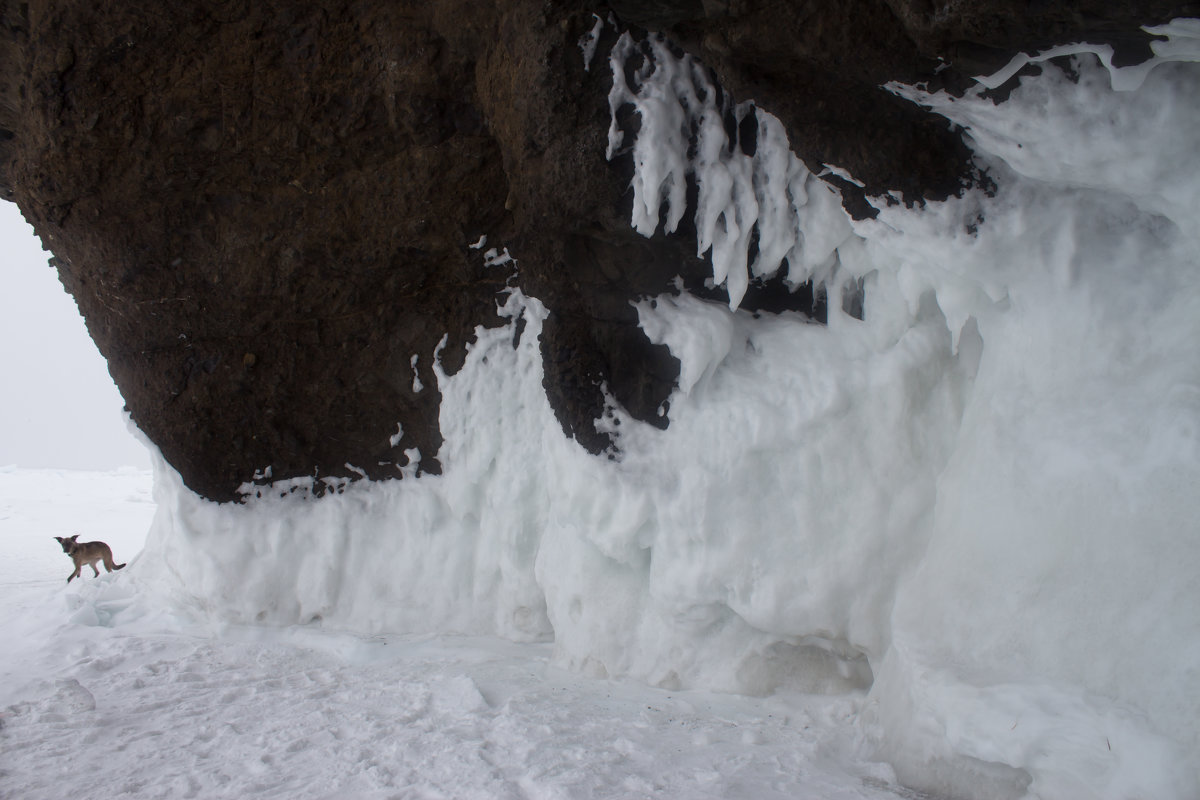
x: 977, y: 504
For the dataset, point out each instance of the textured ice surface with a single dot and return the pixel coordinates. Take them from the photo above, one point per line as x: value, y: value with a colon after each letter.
x: 109, y: 692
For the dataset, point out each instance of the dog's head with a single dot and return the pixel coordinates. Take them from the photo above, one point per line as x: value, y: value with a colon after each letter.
x: 67, y: 543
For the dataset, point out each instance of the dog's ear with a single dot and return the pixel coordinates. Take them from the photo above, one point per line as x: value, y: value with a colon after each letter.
x: 76, y: 536
x: 59, y: 538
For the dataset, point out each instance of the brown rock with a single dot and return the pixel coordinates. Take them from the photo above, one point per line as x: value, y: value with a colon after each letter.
x: 265, y: 210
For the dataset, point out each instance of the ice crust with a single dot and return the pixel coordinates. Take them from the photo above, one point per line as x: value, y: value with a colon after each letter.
x: 978, y: 504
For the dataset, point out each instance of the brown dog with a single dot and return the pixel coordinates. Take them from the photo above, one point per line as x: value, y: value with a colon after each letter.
x: 87, y: 553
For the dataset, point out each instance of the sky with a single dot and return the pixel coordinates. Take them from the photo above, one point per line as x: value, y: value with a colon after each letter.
x: 58, y: 405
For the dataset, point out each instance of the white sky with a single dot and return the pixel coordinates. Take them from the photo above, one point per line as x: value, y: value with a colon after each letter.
x: 58, y: 405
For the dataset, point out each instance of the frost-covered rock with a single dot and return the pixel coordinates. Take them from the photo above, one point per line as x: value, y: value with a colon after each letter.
x: 966, y: 499
x: 265, y: 213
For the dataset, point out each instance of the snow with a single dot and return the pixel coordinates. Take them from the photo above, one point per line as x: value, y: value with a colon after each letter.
x: 950, y: 546
x: 106, y: 692
x: 417, y: 386
x: 496, y: 258
x: 1179, y: 44
x: 589, y: 41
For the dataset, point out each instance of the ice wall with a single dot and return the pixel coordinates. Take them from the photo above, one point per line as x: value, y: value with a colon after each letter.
x: 1050, y: 616
x: 978, y: 503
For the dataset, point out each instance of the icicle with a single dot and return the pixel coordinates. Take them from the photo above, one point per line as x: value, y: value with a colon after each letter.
x: 770, y: 193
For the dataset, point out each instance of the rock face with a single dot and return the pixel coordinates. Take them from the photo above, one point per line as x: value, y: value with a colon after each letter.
x: 265, y: 211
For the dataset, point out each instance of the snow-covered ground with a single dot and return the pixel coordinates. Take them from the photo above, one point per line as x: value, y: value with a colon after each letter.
x: 103, y: 695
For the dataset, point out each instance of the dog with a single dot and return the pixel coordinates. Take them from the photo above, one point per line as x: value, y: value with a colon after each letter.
x: 87, y: 553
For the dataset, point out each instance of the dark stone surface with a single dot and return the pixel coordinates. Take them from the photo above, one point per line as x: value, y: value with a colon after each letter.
x: 264, y: 210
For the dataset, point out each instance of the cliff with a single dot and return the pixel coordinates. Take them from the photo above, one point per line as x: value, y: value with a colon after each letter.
x: 271, y: 215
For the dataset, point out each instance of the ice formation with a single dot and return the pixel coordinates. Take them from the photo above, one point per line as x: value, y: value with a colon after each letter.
x: 977, y: 504
x: 589, y: 41
x: 797, y: 216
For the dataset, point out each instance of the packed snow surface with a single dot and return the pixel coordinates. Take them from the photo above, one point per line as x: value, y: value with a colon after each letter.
x: 970, y: 517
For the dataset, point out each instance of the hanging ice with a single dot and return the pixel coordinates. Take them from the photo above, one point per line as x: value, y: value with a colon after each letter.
x: 683, y: 133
